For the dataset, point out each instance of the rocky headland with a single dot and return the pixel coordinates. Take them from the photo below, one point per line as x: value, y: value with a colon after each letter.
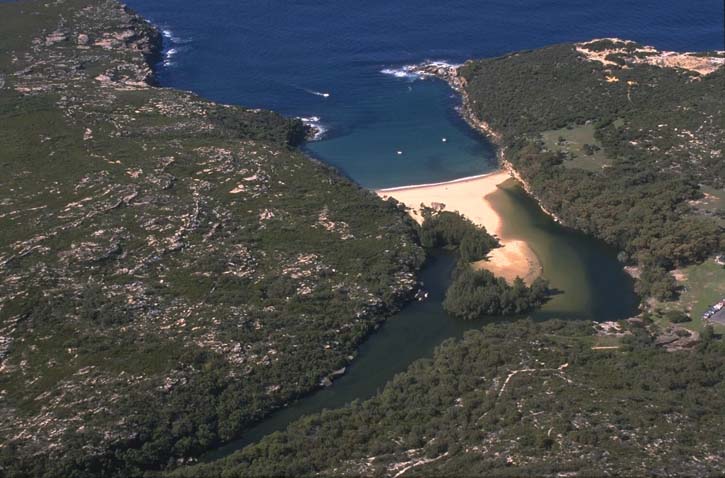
x: 172, y: 269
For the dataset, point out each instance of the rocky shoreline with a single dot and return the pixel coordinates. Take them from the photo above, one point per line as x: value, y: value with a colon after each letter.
x: 449, y: 74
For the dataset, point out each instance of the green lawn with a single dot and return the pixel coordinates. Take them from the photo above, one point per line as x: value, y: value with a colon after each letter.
x: 703, y: 285
x: 571, y: 141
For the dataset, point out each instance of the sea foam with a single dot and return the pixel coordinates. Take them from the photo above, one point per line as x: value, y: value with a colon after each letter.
x: 406, y: 71
x: 318, y: 128
x: 172, y: 45
x: 173, y: 38
x: 415, y: 72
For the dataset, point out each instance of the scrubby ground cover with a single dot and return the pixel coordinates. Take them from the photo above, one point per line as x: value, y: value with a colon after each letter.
x: 171, y: 270
x: 518, y: 399
x: 658, y: 125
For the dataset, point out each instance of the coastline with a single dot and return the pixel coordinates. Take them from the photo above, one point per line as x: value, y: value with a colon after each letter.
x: 227, y: 362
x: 122, y: 52
x: 450, y: 75
x: 515, y: 257
x: 440, y: 183
x: 469, y: 197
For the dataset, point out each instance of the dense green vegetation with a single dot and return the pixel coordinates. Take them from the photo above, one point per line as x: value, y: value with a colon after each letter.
x: 174, y: 270
x: 474, y: 294
x: 655, y: 281
x: 171, y: 270
x: 523, y: 398
x: 660, y: 130
x: 450, y: 230
x: 642, y: 213
x: 517, y: 399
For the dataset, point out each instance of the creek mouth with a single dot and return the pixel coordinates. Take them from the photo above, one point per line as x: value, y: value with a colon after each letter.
x: 590, y: 281
x: 415, y: 134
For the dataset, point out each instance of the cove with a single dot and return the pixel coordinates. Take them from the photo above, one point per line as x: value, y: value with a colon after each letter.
x: 590, y: 282
x: 244, y: 53
x: 413, y: 117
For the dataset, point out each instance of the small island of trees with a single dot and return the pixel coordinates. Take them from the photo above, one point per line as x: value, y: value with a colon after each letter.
x: 476, y: 293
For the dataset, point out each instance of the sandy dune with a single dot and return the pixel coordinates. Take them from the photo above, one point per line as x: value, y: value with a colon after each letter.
x: 468, y: 197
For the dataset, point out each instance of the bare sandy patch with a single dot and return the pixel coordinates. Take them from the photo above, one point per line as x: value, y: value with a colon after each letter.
x: 679, y: 275
x: 468, y: 196
x: 514, y: 259
x: 704, y: 65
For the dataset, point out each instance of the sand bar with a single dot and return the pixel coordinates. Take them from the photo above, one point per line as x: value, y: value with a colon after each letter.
x: 468, y: 197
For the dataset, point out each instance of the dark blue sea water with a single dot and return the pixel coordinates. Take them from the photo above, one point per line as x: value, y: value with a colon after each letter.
x: 285, y: 54
x: 336, y: 60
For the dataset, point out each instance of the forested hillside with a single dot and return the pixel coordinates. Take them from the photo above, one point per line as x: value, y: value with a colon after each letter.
x: 616, y: 139
x: 171, y: 270
x: 518, y: 399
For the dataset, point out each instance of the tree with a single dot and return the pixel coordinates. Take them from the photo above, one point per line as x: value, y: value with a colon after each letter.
x: 477, y: 293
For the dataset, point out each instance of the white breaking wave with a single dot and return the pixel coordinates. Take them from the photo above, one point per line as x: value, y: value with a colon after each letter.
x: 170, y: 46
x: 414, y: 72
x: 316, y: 125
x: 426, y: 185
x: 168, y: 55
x: 443, y: 64
x: 169, y: 35
x: 406, y: 71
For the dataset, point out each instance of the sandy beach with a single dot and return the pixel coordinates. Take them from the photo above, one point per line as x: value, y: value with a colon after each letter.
x: 468, y: 197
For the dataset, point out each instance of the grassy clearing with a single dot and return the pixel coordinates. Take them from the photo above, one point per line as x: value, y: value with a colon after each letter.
x: 712, y: 204
x: 601, y: 341
x: 703, y: 285
x: 579, y: 145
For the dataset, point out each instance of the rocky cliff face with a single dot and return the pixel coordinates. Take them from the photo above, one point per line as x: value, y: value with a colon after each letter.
x: 171, y: 269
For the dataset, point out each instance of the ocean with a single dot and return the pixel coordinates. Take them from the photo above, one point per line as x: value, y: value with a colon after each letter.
x: 340, y: 64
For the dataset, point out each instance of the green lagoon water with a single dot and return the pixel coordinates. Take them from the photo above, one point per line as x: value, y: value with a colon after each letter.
x: 386, y: 128
x: 590, y: 284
